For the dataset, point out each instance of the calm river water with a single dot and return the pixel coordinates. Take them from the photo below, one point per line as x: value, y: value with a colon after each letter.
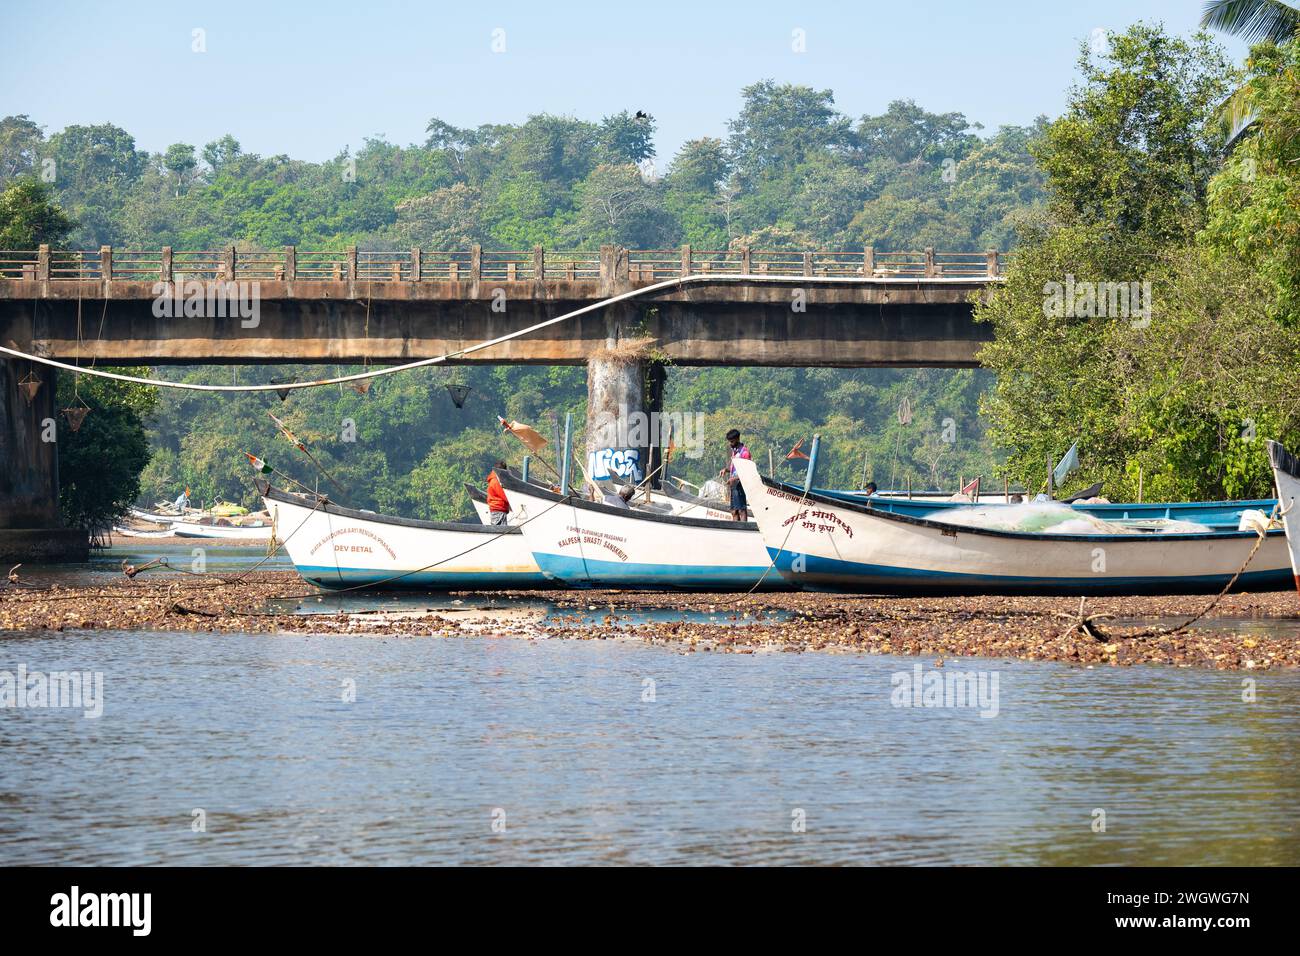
x: 506, y: 750
x: 554, y: 740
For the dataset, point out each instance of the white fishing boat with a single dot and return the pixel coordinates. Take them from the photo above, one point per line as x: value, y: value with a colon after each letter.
x: 337, y: 547
x: 261, y: 531
x: 587, y: 544
x: 1286, y: 473
x: 825, y: 543
x: 126, y: 532
x: 163, y: 519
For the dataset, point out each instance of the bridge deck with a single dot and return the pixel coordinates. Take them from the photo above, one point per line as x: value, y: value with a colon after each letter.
x: 737, y: 307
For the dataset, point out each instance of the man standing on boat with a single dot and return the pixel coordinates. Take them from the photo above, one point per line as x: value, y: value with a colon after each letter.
x: 498, y: 504
x: 739, y: 504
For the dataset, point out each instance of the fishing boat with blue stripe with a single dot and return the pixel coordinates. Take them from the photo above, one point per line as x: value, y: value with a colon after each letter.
x: 821, y: 542
x: 963, y: 508
x: 587, y: 544
x: 336, y: 547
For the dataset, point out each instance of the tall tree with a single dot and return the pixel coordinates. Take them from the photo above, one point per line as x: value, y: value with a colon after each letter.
x: 1117, y: 326
x: 221, y: 152
x: 180, y: 162
x: 29, y: 217
x: 20, y: 143
x: 616, y: 205
x: 94, y: 169
x: 1253, y: 213
x: 1138, y: 145
x: 625, y: 138
x: 780, y: 126
x: 905, y: 132
x: 100, y: 462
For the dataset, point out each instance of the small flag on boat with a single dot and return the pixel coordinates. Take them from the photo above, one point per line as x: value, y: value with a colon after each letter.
x: 293, y: 439
x: 259, y: 466
x: 972, y: 488
x: 525, y: 433
x: 1066, y: 464
x: 672, y: 446
x: 795, y: 452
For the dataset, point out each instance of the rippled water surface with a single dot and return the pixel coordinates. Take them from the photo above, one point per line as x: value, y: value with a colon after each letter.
x: 105, y: 565
x: 558, y: 741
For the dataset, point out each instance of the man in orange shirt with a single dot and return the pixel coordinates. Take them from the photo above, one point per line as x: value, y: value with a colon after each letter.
x: 498, y: 504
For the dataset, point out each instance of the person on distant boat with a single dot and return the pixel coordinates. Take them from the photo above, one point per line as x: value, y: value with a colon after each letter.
x: 621, y: 499
x: 498, y: 503
x: 736, y: 449
x: 182, y: 502
x: 871, y: 488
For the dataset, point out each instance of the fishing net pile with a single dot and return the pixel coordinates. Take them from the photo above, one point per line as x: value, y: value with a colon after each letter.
x: 1056, y: 518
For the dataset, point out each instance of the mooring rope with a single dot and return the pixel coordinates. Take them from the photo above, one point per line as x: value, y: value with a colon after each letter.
x: 1088, y: 623
x: 784, y: 541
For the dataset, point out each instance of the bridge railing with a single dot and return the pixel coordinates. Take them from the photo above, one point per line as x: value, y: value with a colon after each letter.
x: 18, y: 263
x: 478, y: 265
x: 187, y: 264
x: 75, y: 265
x: 506, y: 266
x: 451, y: 266
x: 572, y: 266
x: 136, y: 265
x: 653, y: 265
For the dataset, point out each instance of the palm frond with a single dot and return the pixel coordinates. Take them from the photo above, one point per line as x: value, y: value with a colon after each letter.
x: 1253, y: 20
x: 1235, y: 115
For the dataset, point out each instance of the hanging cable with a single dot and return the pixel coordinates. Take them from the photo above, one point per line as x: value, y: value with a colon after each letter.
x: 440, y: 359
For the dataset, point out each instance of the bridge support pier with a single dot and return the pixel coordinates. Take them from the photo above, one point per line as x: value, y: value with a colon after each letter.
x: 624, y: 402
x: 29, y: 473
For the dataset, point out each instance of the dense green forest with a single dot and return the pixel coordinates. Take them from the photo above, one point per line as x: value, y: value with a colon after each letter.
x: 793, y: 174
x: 1135, y: 186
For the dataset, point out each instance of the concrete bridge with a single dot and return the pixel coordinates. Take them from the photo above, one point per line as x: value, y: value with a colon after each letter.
x: 735, y: 307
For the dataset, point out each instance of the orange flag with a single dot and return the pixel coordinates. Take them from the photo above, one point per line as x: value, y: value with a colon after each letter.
x: 795, y: 452
x: 525, y: 433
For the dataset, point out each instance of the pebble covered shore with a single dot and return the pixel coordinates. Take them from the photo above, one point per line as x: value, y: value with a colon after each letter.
x: 1028, y: 628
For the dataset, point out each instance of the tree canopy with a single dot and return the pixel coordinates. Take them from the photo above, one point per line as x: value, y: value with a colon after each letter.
x: 1174, y: 390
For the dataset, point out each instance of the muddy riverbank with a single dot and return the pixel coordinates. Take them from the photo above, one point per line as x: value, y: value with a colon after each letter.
x: 1244, y: 631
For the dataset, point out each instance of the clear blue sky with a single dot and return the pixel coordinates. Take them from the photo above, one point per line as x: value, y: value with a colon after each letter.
x: 308, y: 79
